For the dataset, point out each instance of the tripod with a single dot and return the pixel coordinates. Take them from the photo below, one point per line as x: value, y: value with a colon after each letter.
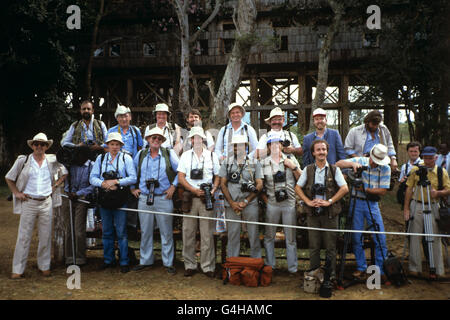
x: 349, y: 224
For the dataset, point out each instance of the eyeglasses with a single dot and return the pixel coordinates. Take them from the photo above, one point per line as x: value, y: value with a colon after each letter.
x: 42, y: 144
x: 157, y: 138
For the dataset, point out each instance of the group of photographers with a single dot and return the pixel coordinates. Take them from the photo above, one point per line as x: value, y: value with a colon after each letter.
x: 120, y: 162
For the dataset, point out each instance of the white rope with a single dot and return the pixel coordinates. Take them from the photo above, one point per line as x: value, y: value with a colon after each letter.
x: 280, y: 225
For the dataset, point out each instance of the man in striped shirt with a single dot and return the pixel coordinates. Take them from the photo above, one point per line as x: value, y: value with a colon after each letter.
x: 376, y: 180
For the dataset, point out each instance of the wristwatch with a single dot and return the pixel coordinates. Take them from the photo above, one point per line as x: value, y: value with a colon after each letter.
x: 246, y: 201
x: 330, y: 201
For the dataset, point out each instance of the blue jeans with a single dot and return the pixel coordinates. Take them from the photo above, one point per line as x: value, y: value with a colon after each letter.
x: 147, y: 221
x: 114, y: 219
x: 361, y: 213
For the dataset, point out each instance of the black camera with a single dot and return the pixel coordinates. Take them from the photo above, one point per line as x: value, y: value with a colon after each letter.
x: 318, y: 189
x: 151, y: 184
x: 197, y: 174
x: 234, y: 177
x: 207, y: 187
x: 286, y: 143
x: 90, y: 142
x: 423, y: 176
x: 248, y: 187
x: 281, y: 195
x: 280, y: 176
x: 110, y: 175
x: 355, y: 177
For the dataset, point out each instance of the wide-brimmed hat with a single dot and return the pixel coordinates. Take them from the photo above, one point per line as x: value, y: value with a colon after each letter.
x: 319, y: 112
x: 379, y: 154
x: 114, y: 136
x: 155, y: 131
x: 41, y: 137
x: 197, y: 131
x: 239, y: 139
x: 275, y: 112
x: 234, y: 105
x: 121, y: 110
x: 162, y: 107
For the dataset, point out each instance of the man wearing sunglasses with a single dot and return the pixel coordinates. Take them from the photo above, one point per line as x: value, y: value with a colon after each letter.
x: 34, y: 182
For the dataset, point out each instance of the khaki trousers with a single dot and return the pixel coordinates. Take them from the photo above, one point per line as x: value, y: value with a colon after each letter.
x: 207, y: 253
x: 415, y: 244
x: 79, y: 213
x: 32, y: 210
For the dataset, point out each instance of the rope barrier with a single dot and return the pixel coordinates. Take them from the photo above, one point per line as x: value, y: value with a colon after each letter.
x: 278, y: 225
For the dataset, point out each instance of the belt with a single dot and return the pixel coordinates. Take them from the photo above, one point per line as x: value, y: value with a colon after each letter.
x: 421, y: 201
x: 37, y: 199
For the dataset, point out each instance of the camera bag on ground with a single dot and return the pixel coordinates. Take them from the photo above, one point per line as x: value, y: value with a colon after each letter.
x: 444, y: 210
x: 394, y: 270
x: 251, y: 272
x: 113, y: 199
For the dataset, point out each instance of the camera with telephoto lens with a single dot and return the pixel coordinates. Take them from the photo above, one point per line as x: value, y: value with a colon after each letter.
x: 110, y: 175
x: 197, y: 174
x: 318, y: 189
x: 151, y: 184
x: 207, y: 187
x: 234, y: 177
x: 280, y: 176
x: 355, y: 177
x: 423, y: 176
x: 248, y: 187
x: 281, y: 195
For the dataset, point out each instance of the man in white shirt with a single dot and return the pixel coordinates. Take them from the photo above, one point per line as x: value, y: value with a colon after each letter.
x: 33, y: 180
x: 194, y: 119
x: 196, y: 168
x: 290, y: 140
x: 236, y: 126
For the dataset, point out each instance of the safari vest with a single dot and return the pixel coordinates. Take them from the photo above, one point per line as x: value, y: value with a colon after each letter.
x: 78, y: 132
x: 171, y: 174
x: 331, y: 189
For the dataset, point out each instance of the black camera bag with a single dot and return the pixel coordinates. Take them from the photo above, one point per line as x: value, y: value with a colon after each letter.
x: 394, y: 270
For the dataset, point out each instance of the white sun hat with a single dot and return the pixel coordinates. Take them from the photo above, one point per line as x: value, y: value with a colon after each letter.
x: 114, y: 136
x: 234, y: 105
x: 155, y: 131
x: 161, y: 107
x: 197, y: 131
x: 238, y: 138
x: 121, y: 110
x: 41, y: 137
x: 379, y: 155
x: 275, y: 112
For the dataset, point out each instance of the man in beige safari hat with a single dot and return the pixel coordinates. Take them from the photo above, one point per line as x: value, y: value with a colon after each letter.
x: 34, y: 182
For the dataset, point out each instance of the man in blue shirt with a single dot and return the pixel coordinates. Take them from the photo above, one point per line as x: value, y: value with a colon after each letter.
x: 156, y: 169
x: 336, y: 148
x: 77, y: 186
x: 376, y: 180
x: 131, y: 135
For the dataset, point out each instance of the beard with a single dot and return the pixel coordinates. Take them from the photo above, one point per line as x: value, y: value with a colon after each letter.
x: 86, y: 115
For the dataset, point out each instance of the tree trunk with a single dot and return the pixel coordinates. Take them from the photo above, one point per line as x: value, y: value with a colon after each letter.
x: 324, y: 56
x: 246, y: 24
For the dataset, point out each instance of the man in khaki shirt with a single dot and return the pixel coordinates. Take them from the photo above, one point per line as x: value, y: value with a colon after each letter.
x: 414, y: 214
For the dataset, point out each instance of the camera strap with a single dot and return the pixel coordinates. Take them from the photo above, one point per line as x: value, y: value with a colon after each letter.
x: 285, y: 175
x: 203, y: 161
x: 229, y: 167
x: 324, y: 180
x: 159, y: 166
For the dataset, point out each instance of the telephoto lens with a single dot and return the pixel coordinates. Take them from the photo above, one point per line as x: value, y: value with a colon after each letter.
x: 207, y: 187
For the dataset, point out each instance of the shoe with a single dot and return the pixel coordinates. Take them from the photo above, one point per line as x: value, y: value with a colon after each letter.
x: 210, y: 274
x: 45, y: 273
x: 432, y: 276
x: 125, y: 269
x: 189, y: 272
x: 359, y: 275
x: 414, y: 274
x: 385, y: 280
x: 141, y: 267
x: 107, y: 265
x: 16, y: 276
x: 171, y: 270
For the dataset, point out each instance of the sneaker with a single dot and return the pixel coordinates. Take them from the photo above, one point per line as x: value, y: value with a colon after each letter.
x: 141, y: 267
x: 209, y: 274
x: 125, y: 269
x: 171, y: 270
x: 359, y: 275
x: 189, y: 272
x: 16, y: 276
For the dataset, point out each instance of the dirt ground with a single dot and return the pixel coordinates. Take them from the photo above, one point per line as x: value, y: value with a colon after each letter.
x: 155, y: 283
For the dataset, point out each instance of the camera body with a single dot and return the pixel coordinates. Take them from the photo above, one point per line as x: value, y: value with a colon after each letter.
x: 318, y: 189
x: 207, y: 187
x: 281, y: 195
x: 286, y: 143
x: 248, y: 187
x: 151, y: 184
x: 110, y: 175
x: 234, y: 177
x: 279, y: 176
x: 196, y: 174
x: 355, y: 177
x: 90, y: 142
x: 423, y: 176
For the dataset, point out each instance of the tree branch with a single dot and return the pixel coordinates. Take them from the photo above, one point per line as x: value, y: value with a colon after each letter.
x: 207, y: 21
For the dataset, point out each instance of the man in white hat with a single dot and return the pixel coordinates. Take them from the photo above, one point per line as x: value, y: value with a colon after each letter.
x: 172, y: 131
x: 236, y: 126
x: 241, y: 180
x: 111, y: 172
x: 87, y: 131
x: 376, y: 180
x: 198, y: 167
x: 336, y: 150
x: 156, y: 182
x: 290, y: 140
x: 131, y: 135
x: 34, y: 182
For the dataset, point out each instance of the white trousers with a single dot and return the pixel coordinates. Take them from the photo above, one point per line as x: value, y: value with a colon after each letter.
x: 32, y: 210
